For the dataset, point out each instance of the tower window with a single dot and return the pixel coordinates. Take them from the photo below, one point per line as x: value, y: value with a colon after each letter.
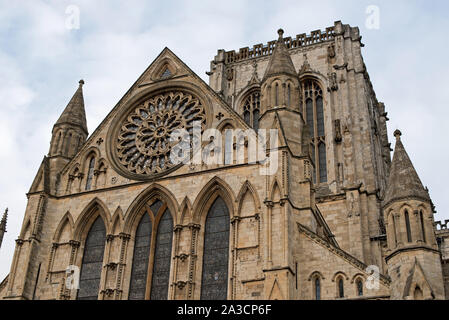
x: 407, y: 225
x: 423, y: 230
x: 359, y: 285
x: 312, y: 101
x: 251, y: 109
x: 317, y: 289
x: 341, y: 288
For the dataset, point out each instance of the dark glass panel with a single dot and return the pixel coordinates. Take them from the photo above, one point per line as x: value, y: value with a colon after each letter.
x: 256, y: 116
x: 92, y: 264
x: 90, y: 173
x: 214, y: 285
x: 317, y: 289
x: 359, y: 288
x: 323, y: 165
x: 162, y: 258
x: 309, y: 112
x: 407, y: 225
x: 139, y: 271
x: 320, y: 116
x: 341, y: 289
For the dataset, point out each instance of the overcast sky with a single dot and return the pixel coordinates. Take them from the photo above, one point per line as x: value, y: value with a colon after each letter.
x: 41, y: 62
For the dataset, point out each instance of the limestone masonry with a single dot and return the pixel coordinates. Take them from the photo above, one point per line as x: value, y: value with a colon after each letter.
x: 110, y: 216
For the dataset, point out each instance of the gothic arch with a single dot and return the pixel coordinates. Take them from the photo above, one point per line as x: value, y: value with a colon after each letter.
x: 248, y: 187
x: 276, y: 193
x: 186, y: 211
x: 117, y: 221
x: 87, y: 154
x: 314, y: 76
x: 316, y: 274
x: 244, y: 93
x: 94, y: 209
x: 67, y: 218
x: 226, y: 122
x: 356, y: 276
x: 214, y: 188
x: 26, y: 230
x: 340, y: 274
x: 134, y: 212
x: 161, y: 66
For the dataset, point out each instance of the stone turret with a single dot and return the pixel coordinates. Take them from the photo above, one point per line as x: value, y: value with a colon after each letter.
x: 70, y: 131
x: 3, y: 226
x: 413, y: 257
x: 68, y: 136
x: 280, y: 84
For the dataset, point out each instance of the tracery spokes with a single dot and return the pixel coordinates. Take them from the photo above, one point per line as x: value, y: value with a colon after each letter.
x: 144, y: 139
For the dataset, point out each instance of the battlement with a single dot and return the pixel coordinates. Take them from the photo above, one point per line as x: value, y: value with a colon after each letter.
x: 439, y: 225
x: 261, y: 50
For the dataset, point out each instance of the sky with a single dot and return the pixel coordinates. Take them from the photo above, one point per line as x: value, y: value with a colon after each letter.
x: 44, y: 52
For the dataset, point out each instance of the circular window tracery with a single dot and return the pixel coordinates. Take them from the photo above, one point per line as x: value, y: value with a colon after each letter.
x: 143, y: 140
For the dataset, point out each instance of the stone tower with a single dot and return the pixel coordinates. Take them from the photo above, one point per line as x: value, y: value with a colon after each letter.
x: 69, y: 134
x: 3, y: 226
x: 413, y: 257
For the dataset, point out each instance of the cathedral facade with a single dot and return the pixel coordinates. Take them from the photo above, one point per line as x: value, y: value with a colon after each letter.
x: 111, y: 216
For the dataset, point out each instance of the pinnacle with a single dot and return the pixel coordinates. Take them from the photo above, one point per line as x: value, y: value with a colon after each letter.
x: 74, y: 113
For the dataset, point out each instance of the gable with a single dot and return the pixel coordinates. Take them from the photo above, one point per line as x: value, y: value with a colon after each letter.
x: 165, y: 79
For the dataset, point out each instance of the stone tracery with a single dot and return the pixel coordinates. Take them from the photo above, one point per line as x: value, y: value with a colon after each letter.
x: 144, y: 145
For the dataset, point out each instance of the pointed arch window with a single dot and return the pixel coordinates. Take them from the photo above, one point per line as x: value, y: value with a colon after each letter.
x: 312, y: 100
x: 214, y: 280
x: 359, y: 287
x: 407, y: 226
x: 251, y: 109
x: 317, y: 288
x: 92, y: 263
x: 90, y: 173
x: 152, y: 253
x: 341, y: 288
x: 423, y: 230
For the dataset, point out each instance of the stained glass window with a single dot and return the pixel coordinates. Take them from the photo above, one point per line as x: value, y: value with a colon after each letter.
x: 92, y: 264
x: 159, y: 254
x: 162, y: 258
x: 214, y: 284
x: 141, y: 259
x: 251, y: 109
x: 90, y: 174
x: 314, y: 115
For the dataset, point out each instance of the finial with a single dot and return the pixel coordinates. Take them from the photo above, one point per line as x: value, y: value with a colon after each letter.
x: 398, y: 135
x: 280, y: 33
x: 81, y: 82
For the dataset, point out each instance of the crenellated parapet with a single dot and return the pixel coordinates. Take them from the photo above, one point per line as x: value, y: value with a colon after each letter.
x: 261, y: 50
x: 440, y: 225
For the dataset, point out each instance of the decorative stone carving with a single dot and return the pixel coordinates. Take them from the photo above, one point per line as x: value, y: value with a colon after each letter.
x: 229, y: 74
x: 338, y: 135
x: 143, y: 140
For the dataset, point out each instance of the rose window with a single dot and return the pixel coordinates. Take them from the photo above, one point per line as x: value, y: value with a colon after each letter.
x: 144, y: 144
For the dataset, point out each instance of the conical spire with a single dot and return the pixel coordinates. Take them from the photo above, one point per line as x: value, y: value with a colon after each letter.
x: 403, y: 182
x: 4, y: 220
x: 3, y: 226
x: 74, y: 113
x: 281, y: 62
